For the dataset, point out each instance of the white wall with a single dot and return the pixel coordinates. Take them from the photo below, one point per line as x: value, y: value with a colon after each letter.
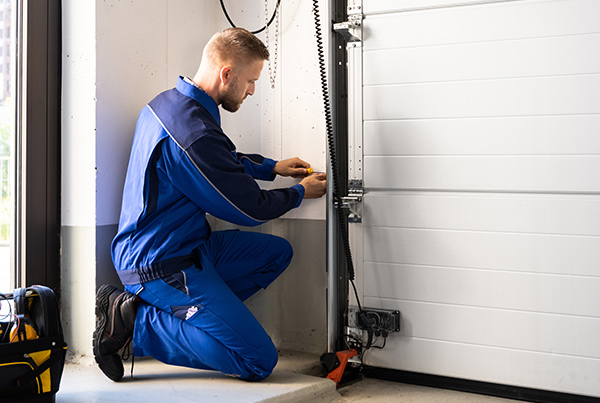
x: 291, y: 115
x: 78, y: 173
x: 116, y: 57
x: 143, y: 46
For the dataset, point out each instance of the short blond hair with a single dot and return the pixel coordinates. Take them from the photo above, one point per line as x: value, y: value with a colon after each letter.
x: 235, y: 45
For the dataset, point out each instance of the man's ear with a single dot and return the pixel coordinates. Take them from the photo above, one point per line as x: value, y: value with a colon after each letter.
x: 225, y: 75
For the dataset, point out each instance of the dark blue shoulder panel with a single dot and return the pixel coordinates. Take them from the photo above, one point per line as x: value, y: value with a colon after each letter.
x: 184, y: 118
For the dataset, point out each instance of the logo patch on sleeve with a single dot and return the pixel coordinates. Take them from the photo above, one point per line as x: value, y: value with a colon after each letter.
x: 191, y: 311
x: 185, y: 312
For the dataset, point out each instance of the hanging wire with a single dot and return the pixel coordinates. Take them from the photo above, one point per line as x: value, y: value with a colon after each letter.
x: 8, y: 315
x: 257, y: 31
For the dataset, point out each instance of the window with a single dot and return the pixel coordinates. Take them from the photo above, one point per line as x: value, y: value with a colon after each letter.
x: 30, y: 112
x: 7, y: 146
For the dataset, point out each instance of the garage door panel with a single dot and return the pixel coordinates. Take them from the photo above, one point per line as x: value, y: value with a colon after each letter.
x: 468, y: 99
x: 481, y: 363
x: 551, y: 254
x: 536, y: 57
x: 484, y: 288
x: 538, y: 135
x: 501, y: 328
x: 542, y: 214
x: 494, y: 22
x: 475, y: 173
x: 380, y: 6
x: 481, y: 207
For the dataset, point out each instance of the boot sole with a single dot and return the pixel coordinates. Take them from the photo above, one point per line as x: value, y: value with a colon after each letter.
x: 102, y: 307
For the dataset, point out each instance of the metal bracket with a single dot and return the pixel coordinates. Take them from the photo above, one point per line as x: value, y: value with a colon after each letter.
x: 355, y: 195
x: 355, y: 191
x: 354, y: 23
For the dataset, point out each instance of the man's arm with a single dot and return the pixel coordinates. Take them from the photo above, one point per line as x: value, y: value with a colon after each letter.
x: 294, y: 167
x: 257, y: 166
x: 314, y: 185
x: 210, y: 175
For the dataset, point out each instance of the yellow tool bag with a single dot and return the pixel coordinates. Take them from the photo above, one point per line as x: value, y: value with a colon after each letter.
x: 32, y: 347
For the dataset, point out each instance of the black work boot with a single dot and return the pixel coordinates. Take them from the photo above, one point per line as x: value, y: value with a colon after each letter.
x: 115, y: 316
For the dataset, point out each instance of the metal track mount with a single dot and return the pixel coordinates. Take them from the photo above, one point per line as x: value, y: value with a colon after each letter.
x: 350, y: 29
x: 353, y: 200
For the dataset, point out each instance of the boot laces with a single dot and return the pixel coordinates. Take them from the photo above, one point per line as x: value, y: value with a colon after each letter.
x: 126, y: 352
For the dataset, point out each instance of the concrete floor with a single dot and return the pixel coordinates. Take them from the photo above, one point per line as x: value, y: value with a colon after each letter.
x: 376, y: 391
x: 293, y: 381
x: 154, y: 382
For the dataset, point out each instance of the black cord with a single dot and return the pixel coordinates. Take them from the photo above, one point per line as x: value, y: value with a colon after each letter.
x: 352, y: 342
x: 337, y: 200
x: 354, y: 287
x: 382, y: 346
x: 254, y: 32
x: 342, y: 219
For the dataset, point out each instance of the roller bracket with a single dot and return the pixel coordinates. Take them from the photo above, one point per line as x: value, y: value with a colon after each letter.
x: 349, y: 28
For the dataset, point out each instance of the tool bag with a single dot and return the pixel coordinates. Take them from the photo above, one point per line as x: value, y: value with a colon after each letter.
x: 32, y: 347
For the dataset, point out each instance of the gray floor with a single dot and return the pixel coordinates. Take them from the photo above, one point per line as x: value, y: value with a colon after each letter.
x: 290, y: 383
x: 374, y: 390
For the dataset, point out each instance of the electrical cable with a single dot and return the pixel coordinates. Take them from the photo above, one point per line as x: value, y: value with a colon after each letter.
x: 330, y: 136
x: 257, y: 31
x: 337, y: 199
x: 382, y: 346
x: 356, y: 344
x: 8, y: 315
x: 18, y: 324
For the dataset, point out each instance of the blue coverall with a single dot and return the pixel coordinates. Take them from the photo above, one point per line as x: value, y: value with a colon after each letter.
x: 192, y: 281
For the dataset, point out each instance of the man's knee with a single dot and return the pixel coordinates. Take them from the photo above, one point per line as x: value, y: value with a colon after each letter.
x: 263, y: 364
x: 283, y: 250
x: 277, y: 258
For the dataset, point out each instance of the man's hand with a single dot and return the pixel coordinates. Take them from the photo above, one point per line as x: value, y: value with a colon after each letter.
x: 314, y: 186
x: 293, y: 167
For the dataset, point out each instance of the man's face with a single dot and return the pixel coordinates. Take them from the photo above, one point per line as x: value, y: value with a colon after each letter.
x: 241, y: 85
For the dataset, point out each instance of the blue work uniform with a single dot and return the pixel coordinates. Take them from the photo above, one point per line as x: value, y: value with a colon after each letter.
x: 192, y: 281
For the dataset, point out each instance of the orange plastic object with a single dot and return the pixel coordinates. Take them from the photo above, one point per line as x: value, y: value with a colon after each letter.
x: 343, y: 356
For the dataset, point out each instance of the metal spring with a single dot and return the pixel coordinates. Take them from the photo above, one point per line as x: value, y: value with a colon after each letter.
x: 331, y: 143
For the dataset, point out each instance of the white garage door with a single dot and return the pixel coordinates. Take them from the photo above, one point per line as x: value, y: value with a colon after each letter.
x: 476, y: 131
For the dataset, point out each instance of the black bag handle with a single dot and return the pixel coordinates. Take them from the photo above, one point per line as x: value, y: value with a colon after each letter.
x: 51, y: 326
x: 48, y: 324
x: 19, y: 298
